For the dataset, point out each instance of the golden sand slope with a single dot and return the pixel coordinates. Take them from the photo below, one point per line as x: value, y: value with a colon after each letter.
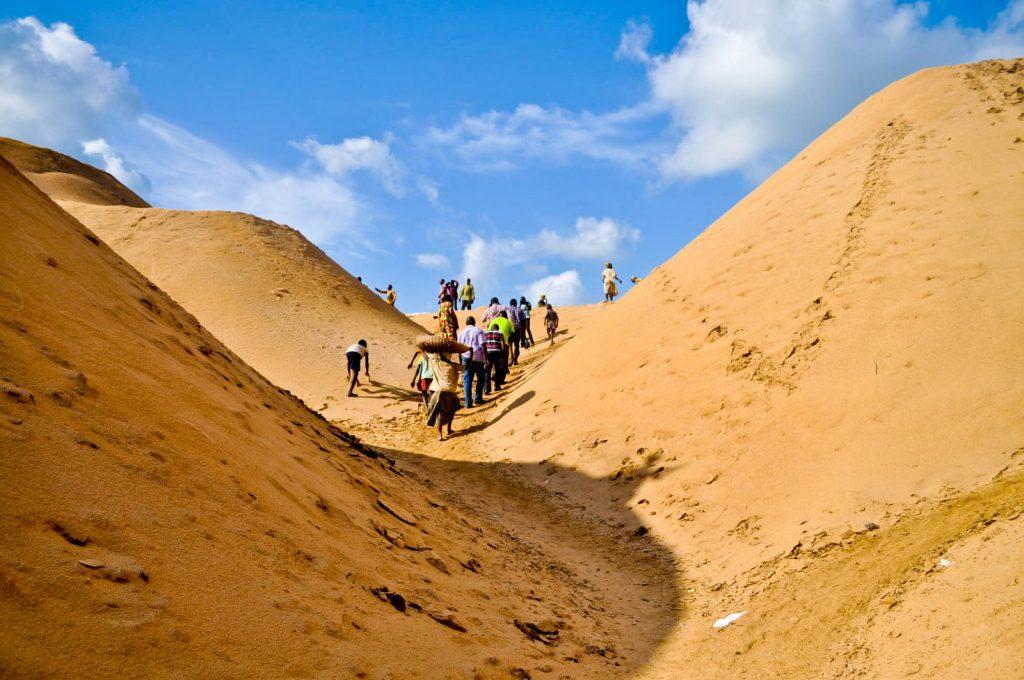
x: 66, y: 179
x: 845, y: 346
x: 270, y: 295
x: 167, y: 512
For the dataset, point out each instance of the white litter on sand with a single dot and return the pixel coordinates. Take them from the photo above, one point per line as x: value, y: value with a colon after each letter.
x: 944, y: 562
x: 725, y: 621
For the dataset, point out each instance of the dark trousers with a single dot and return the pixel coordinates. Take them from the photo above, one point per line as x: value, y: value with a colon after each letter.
x: 514, y: 349
x: 467, y: 304
x: 473, y: 370
x: 495, y: 371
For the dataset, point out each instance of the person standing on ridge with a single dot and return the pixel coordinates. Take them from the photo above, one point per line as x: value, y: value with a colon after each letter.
x: 453, y: 292
x: 447, y: 321
x: 473, y: 362
x: 551, y: 323
x: 527, y: 309
x: 355, y: 355
x: 444, y: 291
x: 468, y: 296
x: 609, y: 277
x: 389, y: 294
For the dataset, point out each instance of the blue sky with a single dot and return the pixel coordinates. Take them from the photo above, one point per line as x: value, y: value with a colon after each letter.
x: 523, y: 143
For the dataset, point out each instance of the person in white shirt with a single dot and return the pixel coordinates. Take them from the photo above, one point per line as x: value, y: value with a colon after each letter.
x: 610, y: 277
x: 472, y: 362
x: 355, y: 355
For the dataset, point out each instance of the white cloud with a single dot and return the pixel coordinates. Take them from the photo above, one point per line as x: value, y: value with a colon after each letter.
x: 358, y: 153
x: 753, y: 82
x: 499, y: 140
x: 116, y: 165
x: 429, y: 189
x: 592, y: 238
x: 56, y: 91
x: 560, y: 289
x: 432, y: 261
x: 635, y: 39
x: 487, y: 260
x: 745, y: 88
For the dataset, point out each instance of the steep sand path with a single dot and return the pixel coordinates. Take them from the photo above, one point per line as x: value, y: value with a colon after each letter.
x: 166, y: 511
x: 816, y: 404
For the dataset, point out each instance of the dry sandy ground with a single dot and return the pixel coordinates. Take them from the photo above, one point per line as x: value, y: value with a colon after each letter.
x: 811, y: 414
x: 167, y: 512
x: 842, y: 349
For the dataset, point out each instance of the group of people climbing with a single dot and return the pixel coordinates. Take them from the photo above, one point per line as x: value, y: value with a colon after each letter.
x: 488, y: 350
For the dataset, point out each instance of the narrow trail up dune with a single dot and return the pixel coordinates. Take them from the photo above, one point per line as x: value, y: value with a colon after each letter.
x: 165, y: 511
x: 820, y: 397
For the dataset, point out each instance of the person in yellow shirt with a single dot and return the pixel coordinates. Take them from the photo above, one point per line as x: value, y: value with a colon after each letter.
x: 468, y: 295
x: 389, y: 294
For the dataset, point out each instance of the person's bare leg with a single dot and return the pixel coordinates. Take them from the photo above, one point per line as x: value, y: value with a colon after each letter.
x: 440, y: 431
x: 352, y: 385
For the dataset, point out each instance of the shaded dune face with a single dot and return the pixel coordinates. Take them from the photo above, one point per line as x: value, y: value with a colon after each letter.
x: 167, y: 511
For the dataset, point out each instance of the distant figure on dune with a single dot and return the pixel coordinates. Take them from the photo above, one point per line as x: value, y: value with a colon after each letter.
x: 355, y: 355
x: 389, y: 294
x: 635, y: 279
x: 551, y: 323
x: 443, y: 291
x: 444, y: 401
x: 543, y: 301
x: 453, y: 291
x: 473, y: 362
x: 447, y: 322
x: 526, y: 309
x: 468, y: 295
x: 609, y: 277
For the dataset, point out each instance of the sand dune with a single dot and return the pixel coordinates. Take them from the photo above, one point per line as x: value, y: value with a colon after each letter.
x: 842, y: 348
x: 270, y: 295
x: 166, y: 512
x: 66, y: 179
x: 811, y: 414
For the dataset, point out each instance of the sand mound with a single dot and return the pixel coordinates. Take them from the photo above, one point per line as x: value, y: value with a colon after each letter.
x: 165, y: 511
x: 271, y: 296
x: 842, y: 347
x: 66, y: 179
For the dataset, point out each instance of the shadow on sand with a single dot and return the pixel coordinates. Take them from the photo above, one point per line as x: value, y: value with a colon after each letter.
x: 601, y: 552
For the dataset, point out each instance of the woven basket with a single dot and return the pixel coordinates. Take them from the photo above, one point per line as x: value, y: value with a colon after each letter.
x: 437, y: 344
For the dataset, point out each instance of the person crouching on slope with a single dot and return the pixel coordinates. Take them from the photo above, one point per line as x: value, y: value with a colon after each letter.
x: 355, y: 355
x: 444, y: 401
